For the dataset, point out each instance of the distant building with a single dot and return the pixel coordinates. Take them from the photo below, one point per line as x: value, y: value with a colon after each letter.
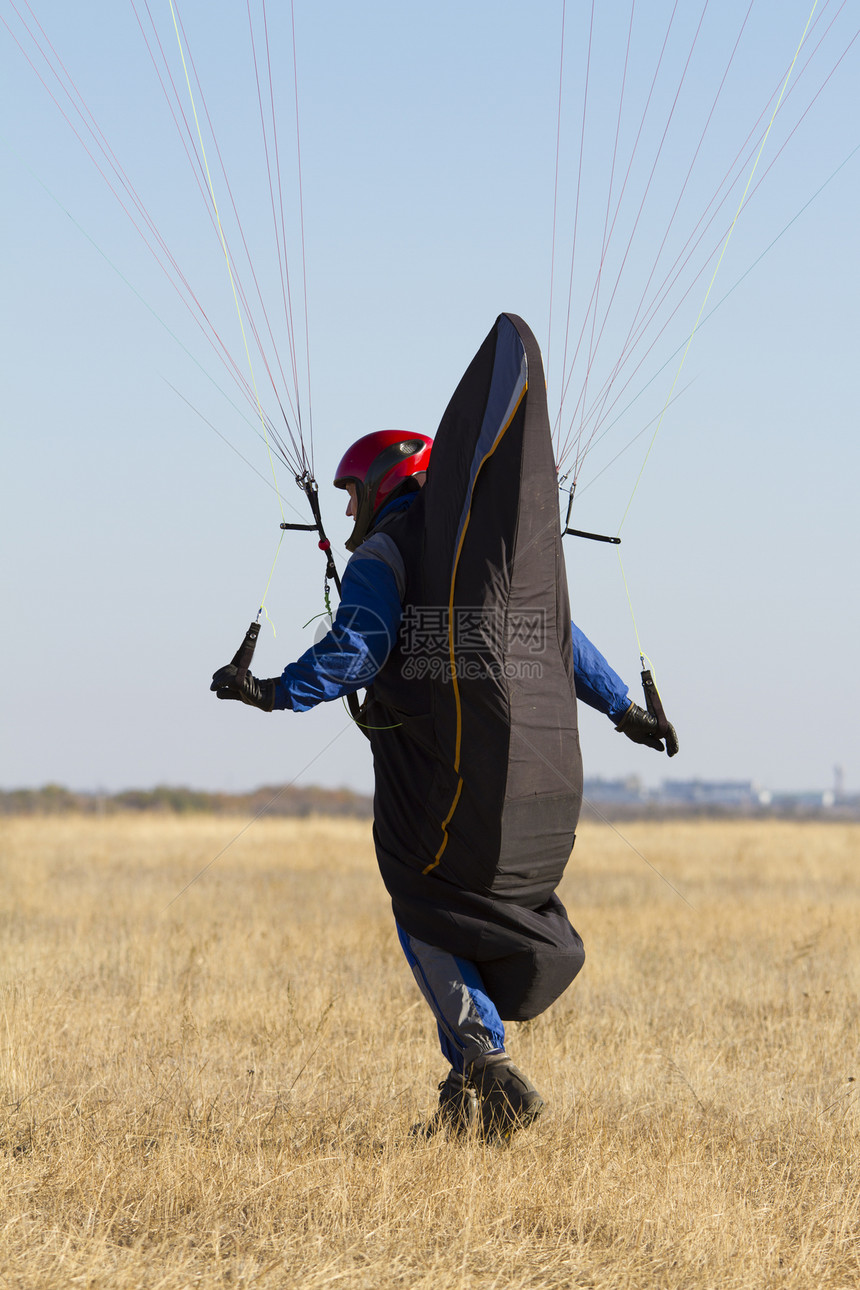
x: 615, y: 792
x: 742, y: 797
x: 736, y: 794
x: 804, y: 803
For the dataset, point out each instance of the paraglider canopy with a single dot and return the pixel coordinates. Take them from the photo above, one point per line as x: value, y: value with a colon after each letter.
x: 473, y: 719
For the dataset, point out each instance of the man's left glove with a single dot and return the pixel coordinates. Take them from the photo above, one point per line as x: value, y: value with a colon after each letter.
x: 642, y: 728
x: 259, y: 694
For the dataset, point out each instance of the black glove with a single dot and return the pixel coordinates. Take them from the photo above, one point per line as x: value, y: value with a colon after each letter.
x: 642, y: 728
x: 259, y: 694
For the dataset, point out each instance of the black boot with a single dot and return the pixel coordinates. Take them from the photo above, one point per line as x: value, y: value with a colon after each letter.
x: 508, y: 1100
x: 457, y: 1112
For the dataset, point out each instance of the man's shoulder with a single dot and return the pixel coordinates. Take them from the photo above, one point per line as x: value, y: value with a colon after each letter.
x: 379, y: 549
x: 396, y: 539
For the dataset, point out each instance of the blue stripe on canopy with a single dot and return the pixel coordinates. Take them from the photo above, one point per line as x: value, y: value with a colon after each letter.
x: 509, y: 379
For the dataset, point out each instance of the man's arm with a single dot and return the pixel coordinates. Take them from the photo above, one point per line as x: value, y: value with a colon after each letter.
x: 598, y: 685
x: 361, y: 637
x: 351, y: 653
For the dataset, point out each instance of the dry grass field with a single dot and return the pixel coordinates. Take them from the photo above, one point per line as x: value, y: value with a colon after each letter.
x: 218, y: 1092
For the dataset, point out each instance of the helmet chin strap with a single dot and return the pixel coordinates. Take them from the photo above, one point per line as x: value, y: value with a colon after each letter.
x: 363, y: 517
x: 365, y: 510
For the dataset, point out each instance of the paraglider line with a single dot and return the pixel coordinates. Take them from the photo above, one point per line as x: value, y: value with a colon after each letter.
x: 567, y: 374
x: 172, y: 334
x: 226, y: 253
x: 630, y: 604
x: 634, y: 334
x: 555, y: 187
x: 664, y: 136
x: 607, y: 233
x: 301, y: 221
x: 279, y: 228
x: 708, y: 316
x: 576, y: 212
x: 299, y: 454
x: 720, y: 260
x: 185, y: 135
x: 157, y: 246
x: 605, y: 820
x: 233, y: 448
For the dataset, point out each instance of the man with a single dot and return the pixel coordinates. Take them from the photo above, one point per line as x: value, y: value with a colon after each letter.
x: 454, y: 616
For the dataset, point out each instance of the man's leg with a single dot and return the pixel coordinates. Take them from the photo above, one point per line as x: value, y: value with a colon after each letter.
x: 472, y: 1037
x: 467, y: 1019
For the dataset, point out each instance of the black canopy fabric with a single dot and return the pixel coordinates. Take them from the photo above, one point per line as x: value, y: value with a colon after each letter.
x: 473, y: 717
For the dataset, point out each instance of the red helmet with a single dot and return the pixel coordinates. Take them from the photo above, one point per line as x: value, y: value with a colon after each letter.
x: 377, y: 464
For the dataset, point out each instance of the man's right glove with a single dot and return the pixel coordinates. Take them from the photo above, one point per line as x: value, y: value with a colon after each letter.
x: 259, y: 694
x: 642, y: 728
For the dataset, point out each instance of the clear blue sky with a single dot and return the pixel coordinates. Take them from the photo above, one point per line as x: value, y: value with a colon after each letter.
x: 137, y: 544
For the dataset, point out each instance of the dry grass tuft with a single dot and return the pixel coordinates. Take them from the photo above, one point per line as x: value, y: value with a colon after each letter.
x: 218, y: 1092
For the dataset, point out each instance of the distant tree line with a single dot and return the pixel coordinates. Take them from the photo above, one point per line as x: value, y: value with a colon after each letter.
x: 299, y: 802
x: 53, y: 799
